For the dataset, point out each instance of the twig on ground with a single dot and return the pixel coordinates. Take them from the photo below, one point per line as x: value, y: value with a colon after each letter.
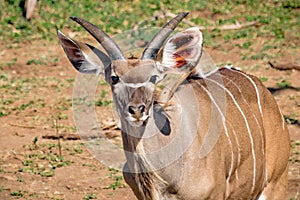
x: 284, y: 66
x: 57, y: 135
x: 64, y: 136
x: 22, y: 126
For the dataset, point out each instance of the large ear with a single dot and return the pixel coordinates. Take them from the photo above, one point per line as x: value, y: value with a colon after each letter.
x: 84, y: 57
x: 183, y: 51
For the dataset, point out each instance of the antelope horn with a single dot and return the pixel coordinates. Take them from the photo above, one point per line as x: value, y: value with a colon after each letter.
x: 107, y: 43
x: 157, y: 41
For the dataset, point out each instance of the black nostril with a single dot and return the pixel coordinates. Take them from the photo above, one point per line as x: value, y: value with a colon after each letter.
x: 134, y: 110
x: 142, y: 108
x: 131, y: 110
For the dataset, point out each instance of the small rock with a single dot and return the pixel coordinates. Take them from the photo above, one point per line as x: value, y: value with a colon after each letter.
x: 62, y: 73
x: 57, y: 193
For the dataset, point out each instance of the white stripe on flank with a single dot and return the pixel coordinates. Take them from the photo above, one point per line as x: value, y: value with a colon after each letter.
x: 283, y: 120
x: 255, y: 87
x: 226, y: 133
x: 239, y: 151
x: 256, y: 120
x: 248, y: 129
x: 254, y: 116
x: 260, y: 109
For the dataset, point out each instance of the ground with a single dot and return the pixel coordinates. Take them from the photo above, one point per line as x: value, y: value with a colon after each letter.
x: 36, y: 85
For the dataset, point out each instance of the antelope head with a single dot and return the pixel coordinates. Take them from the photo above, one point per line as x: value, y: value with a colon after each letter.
x: 133, y: 80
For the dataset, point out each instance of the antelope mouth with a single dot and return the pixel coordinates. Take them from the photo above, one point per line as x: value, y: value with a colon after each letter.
x: 137, y: 122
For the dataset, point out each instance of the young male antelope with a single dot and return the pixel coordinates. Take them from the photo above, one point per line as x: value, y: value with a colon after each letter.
x: 214, y: 136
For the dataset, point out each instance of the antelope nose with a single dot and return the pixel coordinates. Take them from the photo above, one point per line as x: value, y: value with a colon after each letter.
x: 136, y: 111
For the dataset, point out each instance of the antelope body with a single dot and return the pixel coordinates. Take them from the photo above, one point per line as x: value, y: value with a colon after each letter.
x: 215, y: 136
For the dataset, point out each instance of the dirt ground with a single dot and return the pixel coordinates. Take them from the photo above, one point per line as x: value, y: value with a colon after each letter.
x: 37, y: 79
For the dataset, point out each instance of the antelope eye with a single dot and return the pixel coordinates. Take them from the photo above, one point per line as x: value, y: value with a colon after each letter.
x: 114, y: 79
x: 153, y: 79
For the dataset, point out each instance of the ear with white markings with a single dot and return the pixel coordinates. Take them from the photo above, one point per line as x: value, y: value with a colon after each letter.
x: 183, y: 51
x: 84, y: 57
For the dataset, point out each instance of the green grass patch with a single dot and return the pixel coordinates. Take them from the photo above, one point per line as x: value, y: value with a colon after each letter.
x: 291, y: 119
x: 283, y: 84
x: 117, y: 178
x: 90, y: 196
x: 35, y: 61
x: 43, y: 159
x: 18, y: 193
x: 103, y: 99
x: 276, y: 17
x: 264, y: 79
x: 3, y: 188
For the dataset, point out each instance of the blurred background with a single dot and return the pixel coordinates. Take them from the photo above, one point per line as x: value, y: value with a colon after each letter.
x: 41, y: 154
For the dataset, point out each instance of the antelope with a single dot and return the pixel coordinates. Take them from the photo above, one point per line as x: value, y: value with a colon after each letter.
x: 216, y: 135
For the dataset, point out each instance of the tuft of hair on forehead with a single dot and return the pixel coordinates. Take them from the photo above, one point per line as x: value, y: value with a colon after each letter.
x: 132, y: 57
x: 133, y: 62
